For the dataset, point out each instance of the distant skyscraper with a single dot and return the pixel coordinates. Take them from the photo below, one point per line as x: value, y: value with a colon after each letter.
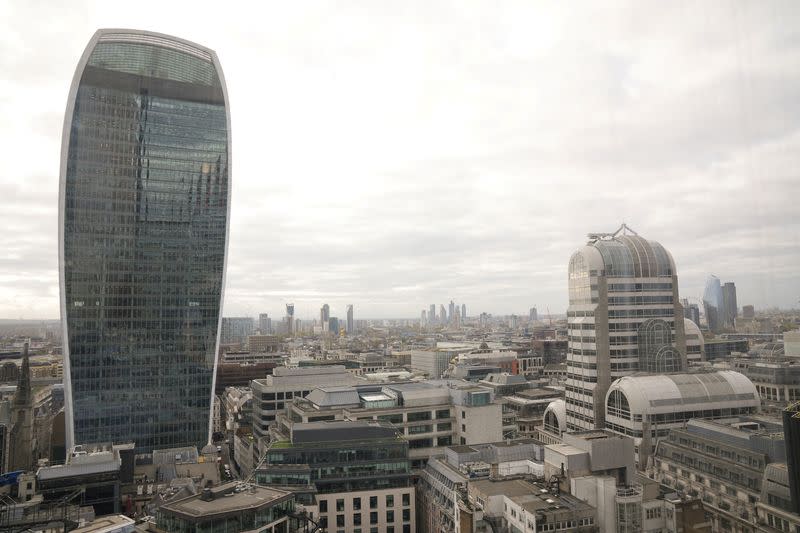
x: 423, y: 318
x: 264, y: 324
x: 712, y: 303
x: 748, y: 311
x: 324, y: 316
x: 432, y: 314
x: 624, y: 316
x: 351, y: 325
x: 235, y: 330
x: 144, y: 209
x: 333, y: 325
x: 290, y: 319
x: 463, y: 311
x: 534, y: 315
x: 692, y: 312
x: 730, y: 310
x: 442, y: 314
x: 452, y: 313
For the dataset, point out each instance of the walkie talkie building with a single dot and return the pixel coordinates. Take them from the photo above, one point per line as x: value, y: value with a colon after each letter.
x: 144, y: 210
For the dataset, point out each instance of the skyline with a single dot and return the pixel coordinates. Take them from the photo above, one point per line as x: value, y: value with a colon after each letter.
x: 405, y: 156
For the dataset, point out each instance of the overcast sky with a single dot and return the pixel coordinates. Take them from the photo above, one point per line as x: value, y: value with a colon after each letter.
x: 396, y: 154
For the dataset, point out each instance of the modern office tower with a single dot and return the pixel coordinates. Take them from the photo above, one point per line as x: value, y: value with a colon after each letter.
x: 432, y: 314
x: 463, y: 311
x: 533, y: 315
x: 451, y: 315
x: 236, y: 329
x: 351, y: 325
x: 748, y: 311
x: 144, y: 208
x: 624, y: 316
x: 264, y: 324
x: 289, y: 319
x: 333, y: 325
x: 324, y: 316
x: 423, y: 319
x: 442, y: 314
x: 729, y: 308
x: 712, y: 303
x: 691, y: 311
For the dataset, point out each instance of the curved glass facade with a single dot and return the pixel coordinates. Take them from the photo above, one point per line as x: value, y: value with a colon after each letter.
x: 144, y: 211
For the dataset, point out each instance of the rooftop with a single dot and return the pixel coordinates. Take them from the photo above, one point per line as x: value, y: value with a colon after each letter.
x: 227, y: 499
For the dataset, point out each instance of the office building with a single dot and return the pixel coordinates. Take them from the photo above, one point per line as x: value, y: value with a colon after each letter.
x: 691, y: 311
x: 647, y: 407
x: 791, y: 343
x: 533, y: 315
x: 748, y: 311
x: 351, y: 325
x: 232, y: 508
x: 442, y: 315
x: 236, y: 330
x: 351, y: 475
x: 712, y: 304
x: 624, y: 316
x: 273, y: 392
x: 791, y: 431
x: 432, y: 363
x: 723, y: 463
x: 777, y: 381
x: 289, y: 320
x: 263, y: 344
x: 432, y: 314
x: 99, y: 470
x: 429, y: 414
x: 324, y: 316
x: 333, y: 325
x: 463, y: 312
x: 730, y: 310
x: 423, y: 318
x: 452, y: 314
x: 264, y: 324
x: 144, y: 210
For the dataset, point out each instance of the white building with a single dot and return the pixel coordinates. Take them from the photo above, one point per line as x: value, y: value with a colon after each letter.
x: 647, y: 407
x: 624, y: 316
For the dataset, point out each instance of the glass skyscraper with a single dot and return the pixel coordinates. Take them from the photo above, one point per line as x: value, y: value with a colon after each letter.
x: 144, y: 208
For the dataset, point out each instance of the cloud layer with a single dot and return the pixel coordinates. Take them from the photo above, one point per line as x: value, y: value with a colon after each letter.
x: 393, y: 155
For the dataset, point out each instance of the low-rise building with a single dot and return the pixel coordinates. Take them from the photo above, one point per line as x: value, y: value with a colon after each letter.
x: 232, y: 508
x: 431, y: 415
x: 722, y: 463
x: 646, y: 407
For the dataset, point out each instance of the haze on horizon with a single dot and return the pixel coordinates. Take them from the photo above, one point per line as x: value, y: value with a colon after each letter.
x: 397, y: 155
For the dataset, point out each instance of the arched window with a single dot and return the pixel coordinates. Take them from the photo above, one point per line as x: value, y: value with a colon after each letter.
x: 551, y: 422
x: 618, y: 405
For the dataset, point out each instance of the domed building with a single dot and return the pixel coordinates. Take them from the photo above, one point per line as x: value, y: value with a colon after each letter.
x: 648, y: 406
x: 624, y: 317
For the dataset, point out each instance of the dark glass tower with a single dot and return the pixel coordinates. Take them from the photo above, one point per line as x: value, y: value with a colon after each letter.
x: 144, y: 209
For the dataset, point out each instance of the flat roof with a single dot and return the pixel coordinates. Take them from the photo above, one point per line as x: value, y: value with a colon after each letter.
x: 252, y: 497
